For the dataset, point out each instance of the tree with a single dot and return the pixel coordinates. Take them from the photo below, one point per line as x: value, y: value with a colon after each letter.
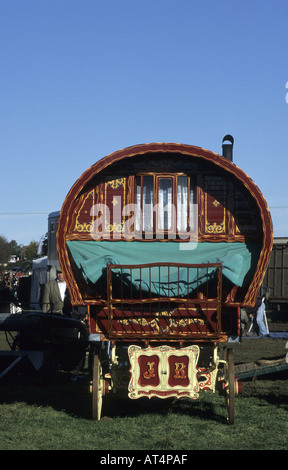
x: 5, y: 250
x: 29, y: 252
x: 15, y: 248
x: 44, y: 251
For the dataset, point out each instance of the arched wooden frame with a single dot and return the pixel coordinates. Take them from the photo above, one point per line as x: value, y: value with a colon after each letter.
x: 185, y: 150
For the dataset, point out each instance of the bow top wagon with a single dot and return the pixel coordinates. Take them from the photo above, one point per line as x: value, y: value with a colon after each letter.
x: 163, y: 243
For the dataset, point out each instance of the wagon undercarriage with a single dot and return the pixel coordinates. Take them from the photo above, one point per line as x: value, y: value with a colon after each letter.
x: 161, y: 346
x: 163, y: 372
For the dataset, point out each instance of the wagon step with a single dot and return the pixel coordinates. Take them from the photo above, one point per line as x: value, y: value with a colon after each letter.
x: 262, y: 367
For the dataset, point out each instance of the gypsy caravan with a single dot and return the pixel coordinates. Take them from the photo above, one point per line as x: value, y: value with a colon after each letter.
x: 163, y: 243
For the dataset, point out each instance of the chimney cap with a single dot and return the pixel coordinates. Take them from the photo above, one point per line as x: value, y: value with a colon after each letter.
x: 227, y: 149
x: 229, y: 138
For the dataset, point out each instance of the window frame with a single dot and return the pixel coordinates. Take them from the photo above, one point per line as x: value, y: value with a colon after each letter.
x: 191, y: 186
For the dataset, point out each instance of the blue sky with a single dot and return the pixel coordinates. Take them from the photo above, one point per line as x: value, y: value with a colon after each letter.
x: 81, y: 79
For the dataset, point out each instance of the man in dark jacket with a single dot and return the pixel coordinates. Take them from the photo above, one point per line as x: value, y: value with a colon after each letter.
x: 56, y: 297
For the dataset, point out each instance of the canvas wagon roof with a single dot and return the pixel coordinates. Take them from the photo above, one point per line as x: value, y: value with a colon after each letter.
x: 157, y: 150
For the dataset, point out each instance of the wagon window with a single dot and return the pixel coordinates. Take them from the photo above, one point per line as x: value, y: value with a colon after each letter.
x: 144, y: 202
x: 148, y: 203
x: 182, y: 203
x: 164, y: 216
x: 171, y: 198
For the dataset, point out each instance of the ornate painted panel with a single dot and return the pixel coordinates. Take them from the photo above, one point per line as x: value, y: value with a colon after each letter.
x: 163, y: 372
x: 216, y: 207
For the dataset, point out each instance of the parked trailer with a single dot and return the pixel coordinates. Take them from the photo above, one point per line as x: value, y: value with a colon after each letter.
x: 39, y: 343
x: 44, y: 269
x: 275, y: 282
x: 163, y: 243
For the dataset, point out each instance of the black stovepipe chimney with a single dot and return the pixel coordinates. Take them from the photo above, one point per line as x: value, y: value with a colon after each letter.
x: 227, y: 149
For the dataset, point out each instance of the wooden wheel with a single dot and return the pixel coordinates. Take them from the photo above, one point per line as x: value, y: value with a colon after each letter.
x: 97, y: 388
x: 229, y: 380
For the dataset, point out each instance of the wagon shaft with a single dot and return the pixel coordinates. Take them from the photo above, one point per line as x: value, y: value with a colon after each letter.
x: 259, y: 368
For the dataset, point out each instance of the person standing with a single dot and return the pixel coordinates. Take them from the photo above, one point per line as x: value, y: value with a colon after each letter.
x: 260, y: 318
x: 55, y: 296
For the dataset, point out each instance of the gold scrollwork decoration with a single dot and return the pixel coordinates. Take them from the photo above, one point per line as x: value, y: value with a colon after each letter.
x: 173, y: 323
x: 114, y: 184
x: 83, y: 228
x: 114, y: 227
x: 215, y: 228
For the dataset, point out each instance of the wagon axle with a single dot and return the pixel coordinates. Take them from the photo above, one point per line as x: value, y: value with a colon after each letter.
x: 166, y: 372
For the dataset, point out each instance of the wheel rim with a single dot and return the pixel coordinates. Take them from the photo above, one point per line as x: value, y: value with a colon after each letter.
x: 229, y: 377
x: 97, y: 393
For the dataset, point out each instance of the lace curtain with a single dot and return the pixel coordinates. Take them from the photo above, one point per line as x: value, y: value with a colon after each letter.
x: 166, y: 212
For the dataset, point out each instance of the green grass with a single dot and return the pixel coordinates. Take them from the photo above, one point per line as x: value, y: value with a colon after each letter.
x: 57, y: 417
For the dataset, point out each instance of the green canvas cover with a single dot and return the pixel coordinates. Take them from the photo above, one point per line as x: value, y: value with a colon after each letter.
x: 92, y: 257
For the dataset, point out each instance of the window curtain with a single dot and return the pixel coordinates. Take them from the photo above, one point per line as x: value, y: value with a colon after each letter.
x: 184, y: 200
x: 182, y: 203
x: 138, y: 205
x: 147, y: 203
x: 193, y: 208
x: 165, y: 204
